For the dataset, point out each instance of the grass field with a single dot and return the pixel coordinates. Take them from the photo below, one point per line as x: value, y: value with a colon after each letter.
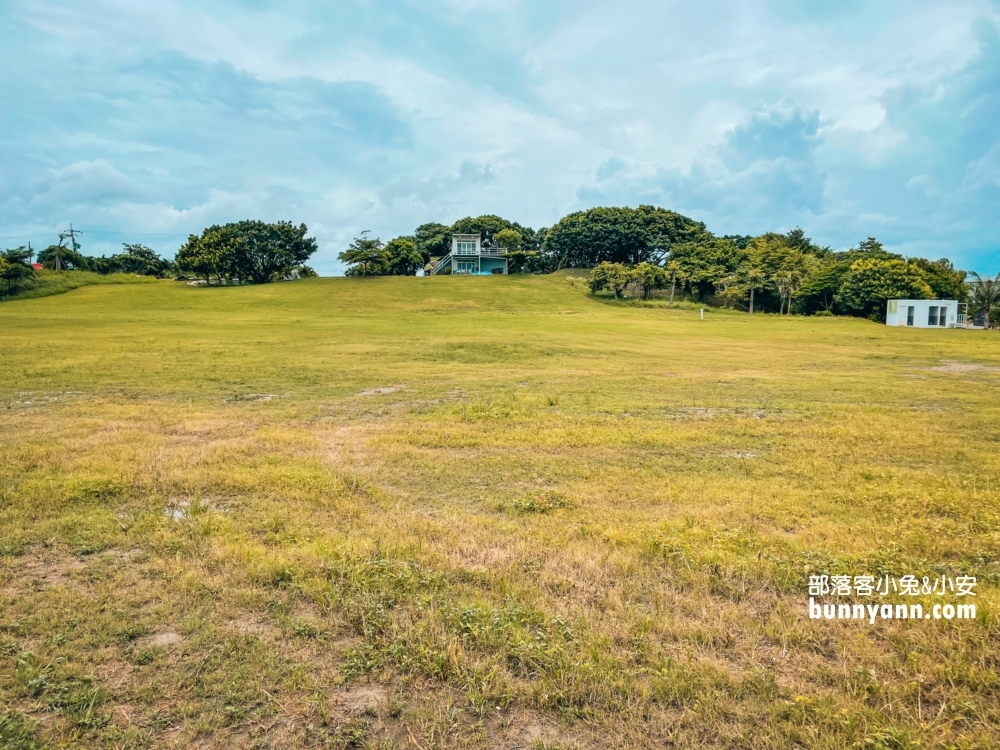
x: 483, y: 512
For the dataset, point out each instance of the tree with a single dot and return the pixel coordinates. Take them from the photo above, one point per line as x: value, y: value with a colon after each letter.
x: 266, y: 252
x: 675, y: 273
x: 946, y: 282
x: 366, y: 256
x: 871, y: 282
x: 15, y: 269
x: 701, y: 264
x: 649, y: 277
x: 203, y: 255
x: 137, y: 259
x: 58, y: 257
x: 730, y: 290
x: 788, y: 282
x: 985, y: 295
x: 432, y: 240
x: 247, y: 249
x: 140, y: 260
x: 752, y: 278
x: 783, y: 264
x: 402, y: 257
x: 508, y: 240
x: 819, y: 290
x: 619, y: 235
x: 511, y: 243
x: 612, y: 276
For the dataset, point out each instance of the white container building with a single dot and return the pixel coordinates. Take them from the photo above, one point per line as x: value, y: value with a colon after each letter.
x: 926, y: 313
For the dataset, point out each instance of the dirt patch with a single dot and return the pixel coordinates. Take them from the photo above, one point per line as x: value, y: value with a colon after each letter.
x: 126, y: 555
x: 249, y: 625
x: 536, y: 731
x: 954, y: 366
x: 182, y: 510
x: 382, y: 391
x: 360, y: 697
x: 49, y: 567
x: 250, y: 398
x: 164, y: 638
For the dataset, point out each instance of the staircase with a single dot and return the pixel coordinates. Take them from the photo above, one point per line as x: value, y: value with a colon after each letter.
x: 440, y: 264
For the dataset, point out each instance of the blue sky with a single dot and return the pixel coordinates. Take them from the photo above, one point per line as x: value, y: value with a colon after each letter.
x: 144, y: 122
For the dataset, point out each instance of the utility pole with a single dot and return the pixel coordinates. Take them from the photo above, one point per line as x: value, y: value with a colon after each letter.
x: 31, y: 254
x: 72, y: 238
x: 58, y: 262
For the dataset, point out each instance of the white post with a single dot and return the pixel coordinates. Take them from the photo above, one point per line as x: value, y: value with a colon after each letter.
x: 703, y: 313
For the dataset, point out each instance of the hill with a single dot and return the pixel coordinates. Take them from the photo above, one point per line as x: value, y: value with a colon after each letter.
x: 484, y: 512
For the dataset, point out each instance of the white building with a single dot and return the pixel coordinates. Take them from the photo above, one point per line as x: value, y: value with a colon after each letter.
x: 926, y: 313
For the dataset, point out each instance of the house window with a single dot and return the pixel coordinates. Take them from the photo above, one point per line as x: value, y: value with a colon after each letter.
x: 909, y: 315
x: 943, y: 316
x: 932, y: 315
x: 464, y: 266
x: 465, y: 247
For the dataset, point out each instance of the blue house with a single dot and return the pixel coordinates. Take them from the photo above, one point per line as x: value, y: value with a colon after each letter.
x: 468, y: 256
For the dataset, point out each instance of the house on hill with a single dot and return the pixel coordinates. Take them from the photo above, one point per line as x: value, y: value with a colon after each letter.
x: 468, y: 256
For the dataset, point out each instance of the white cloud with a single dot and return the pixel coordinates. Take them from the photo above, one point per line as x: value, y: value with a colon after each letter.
x: 382, y: 115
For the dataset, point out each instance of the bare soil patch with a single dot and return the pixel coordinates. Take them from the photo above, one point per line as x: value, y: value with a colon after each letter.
x: 954, y: 366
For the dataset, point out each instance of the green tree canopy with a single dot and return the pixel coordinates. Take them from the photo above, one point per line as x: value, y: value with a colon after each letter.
x: 871, y: 282
x: 945, y: 281
x: 612, y: 276
x: 619, y: 235
x: 701, y: 264
x: 366, y: 256
x: 433, y: 240
x: 62, y: 258
x: 15, y: 269
x: 402, y: 257
x: 249, y: 249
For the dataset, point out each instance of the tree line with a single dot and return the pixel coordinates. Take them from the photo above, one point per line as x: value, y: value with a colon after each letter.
x: 646, y: 250
x: 650, y: 250
x: 246, y: 251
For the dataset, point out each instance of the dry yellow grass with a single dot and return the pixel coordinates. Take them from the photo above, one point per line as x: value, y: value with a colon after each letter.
x: 486, y: 512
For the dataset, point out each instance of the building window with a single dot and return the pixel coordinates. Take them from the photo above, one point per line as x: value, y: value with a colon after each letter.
x: 465, y: 247
x: 932, y: 315
x: 464, y: 266
x: 943, y: 315
x: 909, y: 315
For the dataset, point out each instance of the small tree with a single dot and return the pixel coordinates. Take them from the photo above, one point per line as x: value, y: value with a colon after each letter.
x: 752, y: 279
x: 365, y: 257
x: 402, y: 257
x: 61, y: 258
x: 15, y: 269
x: 613, y: 276
x: 140, y: 260
x: 676, y: 273
x: 985, y: 295
x: 649, y: 277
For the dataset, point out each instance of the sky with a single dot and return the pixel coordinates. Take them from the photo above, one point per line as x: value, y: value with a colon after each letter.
x: 146, y: 122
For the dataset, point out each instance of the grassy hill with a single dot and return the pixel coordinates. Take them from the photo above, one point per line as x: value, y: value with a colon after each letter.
x: 47, y: 283
x: 484, y: 512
